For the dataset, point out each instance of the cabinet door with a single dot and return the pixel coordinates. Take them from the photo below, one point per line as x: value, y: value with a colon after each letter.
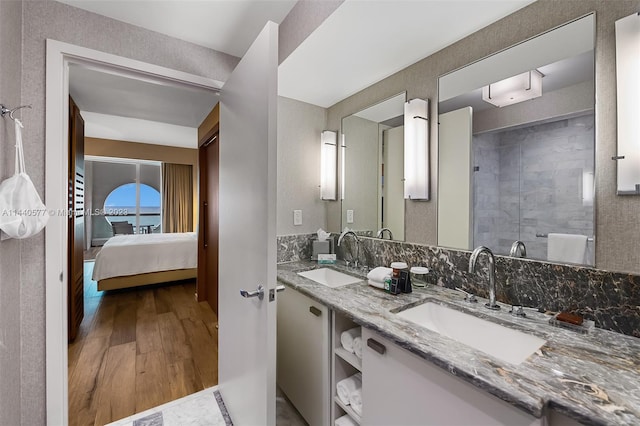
x: 304, y: 354
x: 399, y: 388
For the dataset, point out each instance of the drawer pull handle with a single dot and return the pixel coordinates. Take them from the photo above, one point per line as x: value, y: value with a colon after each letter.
x: 376, y: 346
x: 315, y: 311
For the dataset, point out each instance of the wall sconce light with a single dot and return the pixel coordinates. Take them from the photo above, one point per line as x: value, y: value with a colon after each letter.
x: 416, y: 149
x: 628, y: 104
x: 512, y: 90
x: 328, y: 165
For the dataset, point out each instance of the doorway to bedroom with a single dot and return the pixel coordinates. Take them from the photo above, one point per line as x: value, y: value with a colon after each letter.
x: 138, y: 346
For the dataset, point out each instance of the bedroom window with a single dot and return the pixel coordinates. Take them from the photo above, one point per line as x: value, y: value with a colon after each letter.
x: 137, y: 204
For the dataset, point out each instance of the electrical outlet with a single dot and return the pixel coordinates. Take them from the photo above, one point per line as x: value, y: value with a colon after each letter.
x: 349, y: 216
x: 297, y: 217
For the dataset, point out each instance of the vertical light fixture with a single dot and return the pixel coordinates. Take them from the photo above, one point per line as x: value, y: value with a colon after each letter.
x: 343, y: 165
x: 628, y: 104
x: 416, y: 149
x: 328, y: 165
x: 588, y: 190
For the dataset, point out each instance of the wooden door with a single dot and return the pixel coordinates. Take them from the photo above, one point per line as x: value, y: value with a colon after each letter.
x: 247, y: 234
x: 208, y: 158
x: 75, y: 279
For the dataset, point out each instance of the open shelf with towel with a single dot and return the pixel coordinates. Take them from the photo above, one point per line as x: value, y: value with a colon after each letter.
x: 345, y: 364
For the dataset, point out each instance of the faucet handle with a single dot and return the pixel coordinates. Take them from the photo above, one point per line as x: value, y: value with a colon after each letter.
x: 469, y: 297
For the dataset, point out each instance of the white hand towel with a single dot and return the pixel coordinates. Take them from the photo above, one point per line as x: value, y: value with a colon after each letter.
x: 376, y: 284
x: 345, y: 420
x: 348, y: 385
x: 357, y: 346
x: 346, y: 338
x: 566, y: 248
x: 378, y: 274
x: 355, y: 399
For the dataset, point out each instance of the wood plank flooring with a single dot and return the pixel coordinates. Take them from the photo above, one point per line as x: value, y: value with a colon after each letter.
x: 139, y: 348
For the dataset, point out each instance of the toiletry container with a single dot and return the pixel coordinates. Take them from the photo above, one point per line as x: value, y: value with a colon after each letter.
x: 397, y: 267
x: 419, y: 276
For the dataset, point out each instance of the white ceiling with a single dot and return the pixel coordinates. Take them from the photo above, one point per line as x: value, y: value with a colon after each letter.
x: 362, y: 42
x: 365, y: 41
x: 227, y: 26
x: 107, y: 92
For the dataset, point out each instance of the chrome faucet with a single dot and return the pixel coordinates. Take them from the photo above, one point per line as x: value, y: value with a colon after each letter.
x: 518, y: 249
x: 357, y: 240
x: 380, y: 233
x: 492, y: 273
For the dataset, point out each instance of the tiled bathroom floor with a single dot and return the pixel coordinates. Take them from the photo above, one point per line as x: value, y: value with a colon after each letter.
x: 198, y: 409
x: 204, y: 408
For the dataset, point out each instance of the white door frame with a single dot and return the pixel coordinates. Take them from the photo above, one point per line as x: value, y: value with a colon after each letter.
x: 59, y: 56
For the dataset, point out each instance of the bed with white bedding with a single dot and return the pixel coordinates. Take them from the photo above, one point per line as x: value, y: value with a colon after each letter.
x: 141, y: 259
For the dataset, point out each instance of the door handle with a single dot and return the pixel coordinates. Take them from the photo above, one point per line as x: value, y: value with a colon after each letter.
x: 259, y: 293
x: 315, y: 311
x: 376, y: 346
x: 205, y: 230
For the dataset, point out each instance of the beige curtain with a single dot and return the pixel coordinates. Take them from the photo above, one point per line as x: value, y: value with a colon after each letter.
x: 177, y: 198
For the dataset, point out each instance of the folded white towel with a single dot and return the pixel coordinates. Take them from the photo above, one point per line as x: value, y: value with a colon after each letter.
x: 348, y: 385
x: 355, y: 399
x: 345, y: 420
x: 376, y: 284
x: 566, y: 248
x: 346, y: 338
x: 357, y: 346
x: 379, y: 274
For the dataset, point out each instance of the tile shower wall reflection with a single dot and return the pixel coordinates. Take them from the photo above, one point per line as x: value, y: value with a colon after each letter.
x: 529, y: 181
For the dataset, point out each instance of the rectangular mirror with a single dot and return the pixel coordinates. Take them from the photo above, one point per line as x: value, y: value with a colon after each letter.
x: 372, y: 169
x: 522, y: 170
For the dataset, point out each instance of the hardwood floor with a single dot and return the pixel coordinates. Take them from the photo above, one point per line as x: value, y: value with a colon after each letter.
x: 139, y: 348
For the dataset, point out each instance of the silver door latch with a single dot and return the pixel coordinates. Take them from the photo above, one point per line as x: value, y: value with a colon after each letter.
x: 259, y: 293
x: 272, y: 292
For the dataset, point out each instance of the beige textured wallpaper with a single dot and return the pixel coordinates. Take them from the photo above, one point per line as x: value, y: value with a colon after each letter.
x: 299, y: 128
x: 10, y: 81
x: 617, y: 217
x: 301, y: 21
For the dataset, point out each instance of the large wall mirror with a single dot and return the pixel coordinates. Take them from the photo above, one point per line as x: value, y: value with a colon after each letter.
x: 517, y: 146
x: 372, y: 169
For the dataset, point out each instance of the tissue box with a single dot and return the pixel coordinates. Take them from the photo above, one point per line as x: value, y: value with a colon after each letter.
x: 326, y: 259
x: 321, y: 247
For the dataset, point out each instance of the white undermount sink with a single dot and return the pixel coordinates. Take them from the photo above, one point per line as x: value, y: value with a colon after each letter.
x: 329, y: 277
x: 504, y: 343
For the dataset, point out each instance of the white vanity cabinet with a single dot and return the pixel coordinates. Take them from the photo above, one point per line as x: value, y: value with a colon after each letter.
x: 400, y: 388
x: 303, y: 355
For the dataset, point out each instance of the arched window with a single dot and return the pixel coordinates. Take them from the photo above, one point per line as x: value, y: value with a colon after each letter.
x: 122, y: 205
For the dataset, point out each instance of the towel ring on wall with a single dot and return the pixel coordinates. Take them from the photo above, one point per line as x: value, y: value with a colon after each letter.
x: 4, y: 110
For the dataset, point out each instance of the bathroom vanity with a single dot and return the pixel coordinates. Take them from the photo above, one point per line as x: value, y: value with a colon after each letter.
x: 414, y: 375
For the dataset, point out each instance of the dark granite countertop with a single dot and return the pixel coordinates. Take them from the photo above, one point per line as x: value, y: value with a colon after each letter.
x: 593, y: 378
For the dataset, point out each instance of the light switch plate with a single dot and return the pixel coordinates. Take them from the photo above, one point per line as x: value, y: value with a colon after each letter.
x: 349, y: 216
x: 297, y: 217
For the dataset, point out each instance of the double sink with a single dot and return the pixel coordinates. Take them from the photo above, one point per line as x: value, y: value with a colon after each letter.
x: 504, y: 343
